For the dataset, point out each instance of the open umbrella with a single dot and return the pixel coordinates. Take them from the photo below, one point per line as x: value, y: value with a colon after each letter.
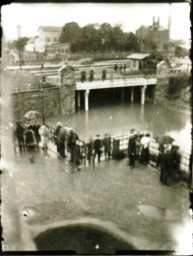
x: 165, y: 139
x: 32, y: 114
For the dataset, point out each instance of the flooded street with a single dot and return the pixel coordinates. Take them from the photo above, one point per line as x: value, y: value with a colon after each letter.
x: 118, y: 118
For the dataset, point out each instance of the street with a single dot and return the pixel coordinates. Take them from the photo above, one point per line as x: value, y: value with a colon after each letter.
x: 134, y: 200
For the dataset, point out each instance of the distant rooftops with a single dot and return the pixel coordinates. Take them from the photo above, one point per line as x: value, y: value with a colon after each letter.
x: 59, y: 45
x: 138, y: 56
x: 50, y: 29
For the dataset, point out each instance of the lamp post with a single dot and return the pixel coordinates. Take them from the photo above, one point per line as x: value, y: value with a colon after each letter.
x: 42, y: 93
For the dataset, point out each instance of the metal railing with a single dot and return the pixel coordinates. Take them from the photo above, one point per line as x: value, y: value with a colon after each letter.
x: 119, y: 144
x: 112, y: 75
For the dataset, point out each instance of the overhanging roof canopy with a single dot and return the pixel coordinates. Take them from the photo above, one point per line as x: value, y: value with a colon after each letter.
x: 138, y: 56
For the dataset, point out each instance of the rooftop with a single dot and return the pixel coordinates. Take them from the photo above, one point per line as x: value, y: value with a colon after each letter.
x: 50, y: 29
x: 138, y: 56
x: 22, y: 80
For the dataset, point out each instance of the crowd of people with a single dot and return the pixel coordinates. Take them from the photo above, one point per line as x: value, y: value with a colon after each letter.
x: 168, y: 159
x: 32, y: 136
x: 66, y: 140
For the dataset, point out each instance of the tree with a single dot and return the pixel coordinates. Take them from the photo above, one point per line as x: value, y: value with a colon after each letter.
x: 71, y: 33
x: 90, y: 38
x: 105, y: 33
x: 131, y: 42
x: 21, y: 43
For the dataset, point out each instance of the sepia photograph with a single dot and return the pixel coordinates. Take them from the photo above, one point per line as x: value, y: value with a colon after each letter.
x: 96, y: 146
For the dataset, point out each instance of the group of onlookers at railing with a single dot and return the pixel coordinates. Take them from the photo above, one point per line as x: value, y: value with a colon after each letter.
x: 104, y: 73
x: 66, y: 140
x: 30, y: 136
x: 168, y: 158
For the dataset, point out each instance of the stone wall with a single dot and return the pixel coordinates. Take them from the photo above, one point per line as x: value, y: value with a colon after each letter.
x: 67, y: 90
x: 160, y: 91
x: 52, y: 100
x: 47, y: 100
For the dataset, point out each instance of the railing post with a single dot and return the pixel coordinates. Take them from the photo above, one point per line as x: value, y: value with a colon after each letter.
x: 78, y: 98
x: 86, y: 94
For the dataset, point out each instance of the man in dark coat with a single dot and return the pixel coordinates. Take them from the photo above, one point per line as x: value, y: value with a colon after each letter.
x: 161, y: 152
x: 73, y: 137
x: 107, y: 146
x: 97, y: 147
x: 132, y: 150
x: 104, y: 72
x: 175, y: 162
x: 165, y: 167
x: 56, y: 132
x: 90, y: 148
x: 36, y: 128
x: 19, y: 132
x: 61, y: 142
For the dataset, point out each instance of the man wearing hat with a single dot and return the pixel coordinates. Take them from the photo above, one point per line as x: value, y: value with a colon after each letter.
x: 132, y: 150
x: 56, y: 132
x: 107, y: 146
x: 97, y: 147
x: 165, y: 165
x: 175, y: 161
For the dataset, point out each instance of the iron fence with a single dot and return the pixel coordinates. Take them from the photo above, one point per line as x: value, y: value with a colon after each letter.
x: 119, y: 144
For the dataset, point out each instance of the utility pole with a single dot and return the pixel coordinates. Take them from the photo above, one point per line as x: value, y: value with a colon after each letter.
x: 20, y: 49
x: 169, y: 22
x: 18, y: 40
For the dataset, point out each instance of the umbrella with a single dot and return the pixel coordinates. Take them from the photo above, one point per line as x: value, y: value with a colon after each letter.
x: 165, y: 139
x: 32, y: 114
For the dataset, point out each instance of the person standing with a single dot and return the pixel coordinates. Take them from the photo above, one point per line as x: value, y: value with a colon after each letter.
x: 90, y: 148
x: 19, y: 132
x: 104, y: 72
x: 138, y: 144
x: 43, y: 131
x: 61, y: 142
x: 165, y: 166
x: 175, y: 162
x: 30, y: 142
x: 132, y: 150
x: 73, y: 137
x: 36, y: 128
x: 160, y: 154
x: 56, y: 132
x: 144, y: 156
x: 107, y: 146
x: 97, y: 147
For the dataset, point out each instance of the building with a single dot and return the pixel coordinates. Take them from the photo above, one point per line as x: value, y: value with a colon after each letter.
x: 137, y: 61
x: 58, y: 50
x: 46, y: 37
x: 155, y: 33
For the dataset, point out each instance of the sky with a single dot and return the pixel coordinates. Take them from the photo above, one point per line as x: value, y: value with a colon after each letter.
x: 130, y: 16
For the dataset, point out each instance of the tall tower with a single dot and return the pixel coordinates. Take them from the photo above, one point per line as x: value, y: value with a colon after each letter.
x: 169, y: 21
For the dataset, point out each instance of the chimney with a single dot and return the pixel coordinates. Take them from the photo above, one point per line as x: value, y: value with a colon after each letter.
x: 153, y: 20
x: 158, y: 21
x: 169, y: 20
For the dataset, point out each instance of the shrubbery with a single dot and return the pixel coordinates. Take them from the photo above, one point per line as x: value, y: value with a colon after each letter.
x: 176, y: 85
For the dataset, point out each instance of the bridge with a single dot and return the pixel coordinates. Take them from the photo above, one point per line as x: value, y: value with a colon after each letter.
x: 101, y: 75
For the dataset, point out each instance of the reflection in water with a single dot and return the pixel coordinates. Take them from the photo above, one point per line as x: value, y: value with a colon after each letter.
x: 118, y: 118
x: 156, y: 212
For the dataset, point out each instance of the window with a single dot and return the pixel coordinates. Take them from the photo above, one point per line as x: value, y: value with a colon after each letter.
x: 63, y: 50
x: 48, y: 39
x: 58, y: 50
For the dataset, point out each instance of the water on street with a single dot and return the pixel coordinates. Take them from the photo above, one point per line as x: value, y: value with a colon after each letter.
x: 117, y: 118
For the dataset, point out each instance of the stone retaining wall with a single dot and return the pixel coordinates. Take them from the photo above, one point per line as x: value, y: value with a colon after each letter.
x: 47, y: 100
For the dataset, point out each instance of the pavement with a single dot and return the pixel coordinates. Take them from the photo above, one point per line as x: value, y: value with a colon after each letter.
x: 50, y: 190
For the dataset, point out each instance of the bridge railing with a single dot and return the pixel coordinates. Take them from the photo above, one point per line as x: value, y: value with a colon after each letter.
x: 119, y: 144
x: 113, y: 75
